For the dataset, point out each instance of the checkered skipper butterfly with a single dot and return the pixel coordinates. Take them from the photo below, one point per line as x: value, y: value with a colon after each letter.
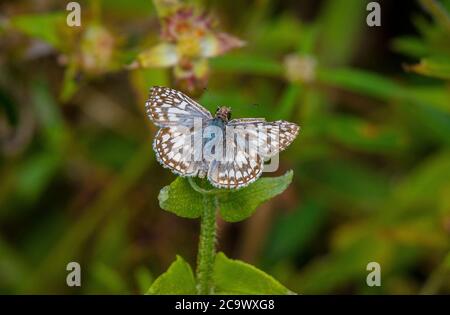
x: 230, y: 152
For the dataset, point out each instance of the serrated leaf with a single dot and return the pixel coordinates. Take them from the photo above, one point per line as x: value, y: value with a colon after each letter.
x: 239, y: 205
x: 237, y: 277
x: 180, y: 199
x: 235, y: 205
x: 178, y: 279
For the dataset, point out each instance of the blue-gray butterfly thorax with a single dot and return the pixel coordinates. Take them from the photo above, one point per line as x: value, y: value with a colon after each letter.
x: 211, y: 133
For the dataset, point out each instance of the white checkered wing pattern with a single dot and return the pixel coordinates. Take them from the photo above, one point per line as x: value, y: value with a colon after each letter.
x: 169, y: 107
x: 254, y: 140
x: 175, y: 149
x: 176, y: 114
x: 268, y: 138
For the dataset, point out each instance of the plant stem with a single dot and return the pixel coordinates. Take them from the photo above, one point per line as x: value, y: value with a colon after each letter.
x: 207, y: 246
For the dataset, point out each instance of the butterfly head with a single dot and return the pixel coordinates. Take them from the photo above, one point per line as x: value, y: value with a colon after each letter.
x: 224, y: 113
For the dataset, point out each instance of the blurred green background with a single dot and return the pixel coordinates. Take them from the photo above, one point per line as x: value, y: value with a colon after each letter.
x: 79, y: 181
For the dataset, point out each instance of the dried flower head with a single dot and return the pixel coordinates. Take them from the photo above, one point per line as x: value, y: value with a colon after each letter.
x: 188, y: 39
x: 96, y: 50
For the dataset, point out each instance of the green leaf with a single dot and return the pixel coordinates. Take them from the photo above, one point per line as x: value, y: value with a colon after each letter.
x: 45, y: 27
x: 235, y: 205
x: 49, y: 114
x: 430, y: 95
x: 70, y: 84
x: 421, y: 189
x: 432, y: 67
x: 237, y: 277
x: 144, y: 279
x: 104, y: 278
x: 35, y: 174
x: 178, y: 279
x: 288, y: 100
x: 280, y: 34
x: 372, y: 84
x: 431, y: 121
x: 361, y: 81
x: 411, y: 46
x: 180, y: 199
x: 246, y: 63
x: 239, y: 205
x: 341, y: 42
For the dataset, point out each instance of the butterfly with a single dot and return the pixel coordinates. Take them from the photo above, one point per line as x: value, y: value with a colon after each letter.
x: 229, y: 152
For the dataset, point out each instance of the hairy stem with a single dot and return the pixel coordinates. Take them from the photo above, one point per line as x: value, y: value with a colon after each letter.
x: 207, y: 246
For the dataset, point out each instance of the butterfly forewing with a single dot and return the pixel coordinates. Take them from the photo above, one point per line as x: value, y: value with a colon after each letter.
x: 268, y: 138
x: 169, y: 107
x: 177, y: 115
x: 280, y: 135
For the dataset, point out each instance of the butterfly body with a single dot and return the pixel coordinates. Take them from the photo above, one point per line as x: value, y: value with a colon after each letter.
x: 191, y: 142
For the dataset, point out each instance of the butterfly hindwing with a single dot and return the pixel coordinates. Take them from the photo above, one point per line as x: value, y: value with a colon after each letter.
x: 242, y: 166
x: 235, y: 174
x: 175, y: 150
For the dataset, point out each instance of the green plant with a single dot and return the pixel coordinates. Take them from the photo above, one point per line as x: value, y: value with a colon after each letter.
x: 215, y: 272
x: 79, y: 181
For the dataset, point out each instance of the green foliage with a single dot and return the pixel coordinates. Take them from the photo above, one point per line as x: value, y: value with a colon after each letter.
x: 294, y: 231
x: 361, y: 81
x: 229, y: 277
x: 178, y: 279
x: 433, y: 67
x: 236, y: 277
x: 360, y: 135
x: 216, y: 273
x: 180, y: 198
x: 79, y: 181
x: 46, y: 27
x: 239, y: 205
x: 256, y: 65
x: 69, y: 84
